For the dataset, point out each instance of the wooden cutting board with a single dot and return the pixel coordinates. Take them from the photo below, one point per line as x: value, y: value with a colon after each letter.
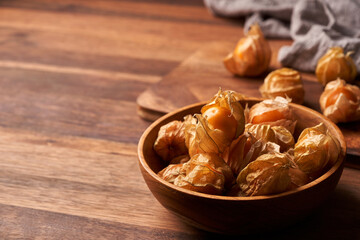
x: 199, y: 77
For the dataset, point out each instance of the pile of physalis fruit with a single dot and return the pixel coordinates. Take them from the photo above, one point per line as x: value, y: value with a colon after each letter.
x: 226, y: 150
x: 335, y: 70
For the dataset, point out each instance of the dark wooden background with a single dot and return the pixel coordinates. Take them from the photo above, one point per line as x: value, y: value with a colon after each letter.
x: 70, y: 74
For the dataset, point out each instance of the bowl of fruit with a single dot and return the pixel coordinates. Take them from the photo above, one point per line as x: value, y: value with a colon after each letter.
x: 237, y: 165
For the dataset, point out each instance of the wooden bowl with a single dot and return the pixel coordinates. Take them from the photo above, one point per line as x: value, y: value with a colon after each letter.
x: 239, y: 215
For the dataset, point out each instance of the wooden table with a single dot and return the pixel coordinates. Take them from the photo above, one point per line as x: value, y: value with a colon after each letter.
x: 70, y: 73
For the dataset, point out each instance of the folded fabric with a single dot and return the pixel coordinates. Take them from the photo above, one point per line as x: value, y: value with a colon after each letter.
x: 314, y: 25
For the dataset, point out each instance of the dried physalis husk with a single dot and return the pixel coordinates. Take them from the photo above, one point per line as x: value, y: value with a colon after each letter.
x: 248, y: 147
x: 221, y: 121
x: 263, y: 140
x: 200, y: 138
x: 316, y: 150
x: 268, y: 174
x: 180, y: 159
x: 262, y: 132
x: 276, y: 134
x: 274, y: 112
x: 170, y: 142
x: 225, y: 113
x: 335, y: 64
x: 297, y: 177
x: 340, y: 101
x: 204, y: 172
x: 284, y: 138
x: 171, y: 172
x: 251, y: 56
x: 237, y: 153
x: 258, y: 148
x: 284, y: 82
x: 257, y: 139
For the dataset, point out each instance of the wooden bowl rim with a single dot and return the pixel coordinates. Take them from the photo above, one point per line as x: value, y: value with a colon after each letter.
x: 326, y: 175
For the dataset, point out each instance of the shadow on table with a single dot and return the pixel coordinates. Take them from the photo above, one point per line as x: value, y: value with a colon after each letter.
x: 338, y: 218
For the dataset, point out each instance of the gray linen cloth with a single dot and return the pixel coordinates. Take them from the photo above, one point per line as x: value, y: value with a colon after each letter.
x: 314, y: 25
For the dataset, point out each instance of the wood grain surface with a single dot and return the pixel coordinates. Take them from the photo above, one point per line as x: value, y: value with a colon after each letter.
x: 199, y: 77
x: 70, y: 75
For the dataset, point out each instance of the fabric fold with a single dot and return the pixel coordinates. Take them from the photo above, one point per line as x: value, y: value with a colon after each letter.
x: 314, y: 25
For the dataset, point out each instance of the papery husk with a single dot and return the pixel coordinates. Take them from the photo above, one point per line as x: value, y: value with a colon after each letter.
x: 261, y: 131
x: 335, y: 64
x: 190, y: 130
x: 259, y: 148
x: 170, y: 142
x: 268, y: 174
x: 284, y: 138
x: 251, y: 56
x: 240, y: 154
x: 344, y: 109
x: 205, y: 173
x: 200, y: 138
x: 316, y: 150
x: 229, y: 100
x: 237, y: 153
x: 247, y: 113
x: 284, y: 82
x: 279, y: 104
x: 171, y: 172
x: 297, y: 178
x: 180, y: 159
x: 276, y: 134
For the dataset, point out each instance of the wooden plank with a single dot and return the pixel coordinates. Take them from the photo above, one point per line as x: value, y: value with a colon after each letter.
x: 107, y: 35
x: 92, y: 185
x: 95, y: 61
x: 39, y: 224
x: 175, y: 11
x: 99, y: 73
x: 53, y: 85
x: 70, y: 104
x: 43, y: 45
